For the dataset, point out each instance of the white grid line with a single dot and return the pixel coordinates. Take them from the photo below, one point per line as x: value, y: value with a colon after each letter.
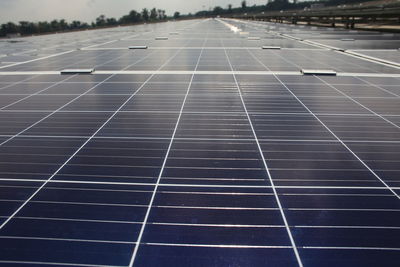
x: 358, y: 103
x: 69, y: 102
x: 79, y: 149
x: 341, y: 141
x: 292, y: 241
x: 139, y: 239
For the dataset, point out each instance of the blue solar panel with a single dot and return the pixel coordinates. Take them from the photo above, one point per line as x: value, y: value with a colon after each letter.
x: 202, y: 150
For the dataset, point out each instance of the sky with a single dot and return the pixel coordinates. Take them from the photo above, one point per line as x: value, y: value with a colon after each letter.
x: 88, y: 10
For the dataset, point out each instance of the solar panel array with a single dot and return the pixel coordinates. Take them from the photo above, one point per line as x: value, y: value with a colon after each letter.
x: 203, y: 149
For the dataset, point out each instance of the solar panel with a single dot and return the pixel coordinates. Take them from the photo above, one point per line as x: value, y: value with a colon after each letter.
x: 204, y: 150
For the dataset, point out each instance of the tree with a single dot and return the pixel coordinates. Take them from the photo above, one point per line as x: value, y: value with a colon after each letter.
x: 135, y: 16
x: 177, y: 15
x: 278, y: 5
x: 63, y: 24
x: 145, y: 14
x: 111, y: 21
x: 230, y: 8
x: 218, y: 10
x: 160, y: 14
x: 44, y: 26
x: 54, y: 25
x: 132, y: 17
x: 9, y: 28
x: 101, y: 20
x: 76, y: 24
x: 26, y: 27
x: 153, y: 14
x: 244, y: 5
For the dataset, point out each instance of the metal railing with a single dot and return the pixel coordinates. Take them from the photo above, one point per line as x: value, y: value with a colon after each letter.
x: 380, y: 12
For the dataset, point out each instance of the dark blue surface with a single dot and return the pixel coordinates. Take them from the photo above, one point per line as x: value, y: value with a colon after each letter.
x: 203, y: 169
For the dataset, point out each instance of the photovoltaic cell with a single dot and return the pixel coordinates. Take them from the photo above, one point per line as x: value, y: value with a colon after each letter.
x: 202, y: 150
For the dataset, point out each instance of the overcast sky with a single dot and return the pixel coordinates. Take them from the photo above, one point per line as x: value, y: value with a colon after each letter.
x: 88, y: 10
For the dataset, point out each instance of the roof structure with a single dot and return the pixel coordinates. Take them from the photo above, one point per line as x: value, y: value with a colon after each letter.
x: 213, y: 142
